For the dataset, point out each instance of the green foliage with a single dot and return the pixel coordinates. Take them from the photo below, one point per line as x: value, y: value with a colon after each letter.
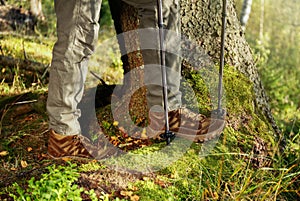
x: 92, y: 166
x: 56, y: 185
x: 277, y: 52
x: 105, y: 15
x: 47, y: 27
x: 227, y: 173
x: 16, y: 46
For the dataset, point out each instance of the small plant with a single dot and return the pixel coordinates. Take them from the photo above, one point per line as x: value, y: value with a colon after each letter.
x: 56, y: 185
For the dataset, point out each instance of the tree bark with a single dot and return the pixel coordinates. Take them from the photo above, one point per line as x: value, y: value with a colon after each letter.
x: 245, y: 14
x: 201, y: 22
x: 126, y: 20
x: 36, y: 9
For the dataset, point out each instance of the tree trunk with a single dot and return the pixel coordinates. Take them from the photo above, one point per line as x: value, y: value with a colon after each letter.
x: 126, y: 20
x: 36, y: 9
x: 201, y: 22
x: 245, y: 14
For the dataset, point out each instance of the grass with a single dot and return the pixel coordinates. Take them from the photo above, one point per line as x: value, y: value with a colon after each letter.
x: 244, y: 164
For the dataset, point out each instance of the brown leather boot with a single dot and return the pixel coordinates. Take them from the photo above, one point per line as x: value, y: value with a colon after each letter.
x: 187, y: 124
x: 77, y: 146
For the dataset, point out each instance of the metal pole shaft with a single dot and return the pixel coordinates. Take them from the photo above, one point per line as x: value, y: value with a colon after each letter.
x: 220, y: 86
x: 163, y: 62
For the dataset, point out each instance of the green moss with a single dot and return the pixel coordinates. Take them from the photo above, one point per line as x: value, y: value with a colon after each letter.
x: 239, y: 92
x: 16, y: 46
x: 244, y: 121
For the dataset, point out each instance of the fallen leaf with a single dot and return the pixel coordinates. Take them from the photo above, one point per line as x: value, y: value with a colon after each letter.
x: 122, y: 129
x: 134, y: 198
x: 116, y: 123
x: 29, y: 149
x: 3, y: 153
x: 44, y: 155
x: 114, y: 138
x: 66, y: 159
x: 24, y: 164
x: 146, y: 178
x: 143, y: 134
x: 129, y: 139
x: 161, y: 183
x: 126, y: 193
x: 13, y: 169
x: 125, y: 145
x: 137, y: 141
x: 135, y: 188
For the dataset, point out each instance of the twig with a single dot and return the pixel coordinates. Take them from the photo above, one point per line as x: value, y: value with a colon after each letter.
x: 24, y: 51
x: 24, y: 102
x: 2, y: 53
x: 45, y: 72
x: 99, y: 78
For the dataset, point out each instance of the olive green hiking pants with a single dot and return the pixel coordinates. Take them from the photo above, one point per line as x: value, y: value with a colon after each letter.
x: 77, y: 34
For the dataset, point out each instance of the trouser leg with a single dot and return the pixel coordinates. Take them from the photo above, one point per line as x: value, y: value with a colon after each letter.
x: 77, y: 33
x: 147, y: 10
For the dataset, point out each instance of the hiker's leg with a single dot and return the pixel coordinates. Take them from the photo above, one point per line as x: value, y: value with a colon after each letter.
x: 77, y: 32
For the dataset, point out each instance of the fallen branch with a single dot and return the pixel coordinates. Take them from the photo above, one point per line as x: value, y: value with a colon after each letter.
x: 6, y: 61
x: 31, y: 71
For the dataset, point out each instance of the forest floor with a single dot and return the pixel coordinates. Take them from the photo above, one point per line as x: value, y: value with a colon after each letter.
x: 25, y: 134
x: 245, y: 163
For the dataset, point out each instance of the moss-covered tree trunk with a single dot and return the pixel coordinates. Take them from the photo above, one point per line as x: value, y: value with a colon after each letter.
x: 201, y: 22
x: 126, y: 20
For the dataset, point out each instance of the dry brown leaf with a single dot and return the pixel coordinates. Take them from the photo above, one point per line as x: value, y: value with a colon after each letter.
x: 122, y: 129
x: 126, y: 193
x: 161, y: 183
x: 143, y: 134
x: 4, y: 153
x: 134, y: 188
x: 146, y: 178
x: 134, y: 198
x: 24, y: 164
x: 66, y: 159
x: 129, y: 139
x: 114, y: 138
x: 44, y: 155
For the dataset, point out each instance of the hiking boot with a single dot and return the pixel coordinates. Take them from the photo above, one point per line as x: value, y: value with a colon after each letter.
x: 76, y: 146
x: 210, y: 128
x: 185, y: 123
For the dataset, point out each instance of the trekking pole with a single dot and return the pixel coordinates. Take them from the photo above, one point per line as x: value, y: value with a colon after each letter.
x: 168, y: 135
x: 220, y: 111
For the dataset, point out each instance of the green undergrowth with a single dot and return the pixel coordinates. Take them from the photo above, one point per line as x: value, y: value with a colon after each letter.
x: 235, y: 168
x: 243, y: 164
x: 34, y: 48
x: 57, y: 185
x: 237, y: 101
